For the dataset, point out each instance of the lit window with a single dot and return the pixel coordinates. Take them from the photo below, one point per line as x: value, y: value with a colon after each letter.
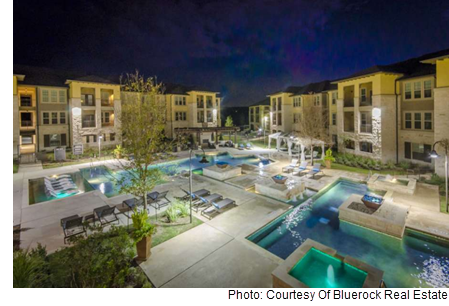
x: 54, y: 96
x: 62, y: 96
x: 417, y: 90
x: 45, y: 96
x: 408, y: 91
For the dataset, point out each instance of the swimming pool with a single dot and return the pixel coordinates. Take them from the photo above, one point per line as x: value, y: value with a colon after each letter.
x: 107, y: 181
x: 418, y: 260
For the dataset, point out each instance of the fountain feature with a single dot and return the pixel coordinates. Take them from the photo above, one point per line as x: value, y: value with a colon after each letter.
x: 331, y: 275
x: 390, y: 183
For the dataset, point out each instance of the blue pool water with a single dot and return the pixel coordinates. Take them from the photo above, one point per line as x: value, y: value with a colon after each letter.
x: 107, y: 181
x: 418, y: 260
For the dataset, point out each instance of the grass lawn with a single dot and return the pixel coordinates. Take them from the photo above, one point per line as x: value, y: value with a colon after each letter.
x: 15, y: 167
x: 167, y: 231
x: 443, y: 204
x: 363, y: 171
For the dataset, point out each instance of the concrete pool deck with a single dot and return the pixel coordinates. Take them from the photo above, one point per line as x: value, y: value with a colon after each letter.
x: 216, y: 253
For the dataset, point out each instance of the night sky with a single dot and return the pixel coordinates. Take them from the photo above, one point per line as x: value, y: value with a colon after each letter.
x: 244, y: 49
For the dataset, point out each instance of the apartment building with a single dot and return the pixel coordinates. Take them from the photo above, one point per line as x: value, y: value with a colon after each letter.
x: 259, y: 115
x: 62, y: 109
x: 392, y: 112
x: 192, y: 107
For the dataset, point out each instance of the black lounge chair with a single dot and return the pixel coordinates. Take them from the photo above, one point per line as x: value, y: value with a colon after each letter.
x: 105, y: 214
x: 158, y: 199
x: 72, y: 226
x: 195, y: 194
x: 217, y: 208
x: 206, y: 201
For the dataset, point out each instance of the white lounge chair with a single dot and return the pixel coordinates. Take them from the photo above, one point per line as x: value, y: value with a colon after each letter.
x: 291, y: 166
x: 316, y: 169
x: 301, y: 168
x: 217, y: 208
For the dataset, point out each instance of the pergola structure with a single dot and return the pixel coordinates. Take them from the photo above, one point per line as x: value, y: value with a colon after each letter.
x: 198, y: 131
x: 293, y: 139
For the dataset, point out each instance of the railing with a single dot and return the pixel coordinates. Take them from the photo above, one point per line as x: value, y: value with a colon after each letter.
x: 88, y: 123
x: 111, y: 123
x: 367, y: 102
x: 26, y: 123
x: 107, y: 103
x: 87, y: 103
x: 348, y: 102
x: 25, y: 104
x: 366, y: 128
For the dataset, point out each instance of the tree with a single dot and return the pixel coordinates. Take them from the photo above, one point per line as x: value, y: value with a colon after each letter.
x: 313, y: 127
x: 229, y: 122
x: 143, y: 118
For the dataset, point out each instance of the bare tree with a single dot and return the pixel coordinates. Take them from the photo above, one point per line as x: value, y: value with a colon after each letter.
x: 313, y: 127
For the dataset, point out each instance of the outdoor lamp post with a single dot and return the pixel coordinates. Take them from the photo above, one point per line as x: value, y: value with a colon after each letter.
x: 265, y: 119
x: 434, y: 154
x: 202, y: 161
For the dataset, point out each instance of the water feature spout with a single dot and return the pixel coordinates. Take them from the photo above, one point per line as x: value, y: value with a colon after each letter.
x: 331, y: 274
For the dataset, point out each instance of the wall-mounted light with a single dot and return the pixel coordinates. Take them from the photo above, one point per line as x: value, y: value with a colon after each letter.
x: 376, y: 112
x: 76, y: 111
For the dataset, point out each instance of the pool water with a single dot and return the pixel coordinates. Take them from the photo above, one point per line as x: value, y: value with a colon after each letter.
x: 418, y: 260
x: 37, y: 192
x: 110, y: 182
x: 320, y: 270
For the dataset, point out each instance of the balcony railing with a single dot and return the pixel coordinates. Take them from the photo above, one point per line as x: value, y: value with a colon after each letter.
x: 25, y: 104
x: 349, y: 102
x: 107, y: 103
x: 366, y: 128
x: 26, y: 123
x: 88, y: 123
x: 87, y: 103
x: 366, y: 102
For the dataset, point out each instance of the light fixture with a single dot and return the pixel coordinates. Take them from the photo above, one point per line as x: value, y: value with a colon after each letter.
x: 76, y: 111
x: 376, y: 112
x: 434, y: 154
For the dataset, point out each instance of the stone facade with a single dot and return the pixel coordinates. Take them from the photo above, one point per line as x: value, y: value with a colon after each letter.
x: 16, y: 128
x: 441, y: 98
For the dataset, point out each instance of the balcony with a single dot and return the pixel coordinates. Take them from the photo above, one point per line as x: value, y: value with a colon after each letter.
x: 366, y: 128
x: 366, y: 101
x: 88, y: 124
x: 348, y: 122
x: 107, y: 103
x: 26, y: 123
x: 348, y: 102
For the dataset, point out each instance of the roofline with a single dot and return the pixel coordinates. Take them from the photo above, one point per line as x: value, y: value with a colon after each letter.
x: 34, y: 85
x: 416, y: 76
x: 68, y: 81
x: 207, y: 91
x: 20, y: 77
x: 363, y: 76
x: 434, y: 59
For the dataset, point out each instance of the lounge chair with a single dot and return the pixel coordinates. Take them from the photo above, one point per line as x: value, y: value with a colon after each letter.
x: 315, y: 155
x: 291, y: 166
x: 195, y: 194
x: 206, y: 201
x: 241, y: 147
x: 248, y: 146
x: 217, y: 208
x: 316, y: 169
x: 158, y: 199
x: 301, y: 168
x: 58, y: 178
x: 72, y: 226
x: 105, y: 214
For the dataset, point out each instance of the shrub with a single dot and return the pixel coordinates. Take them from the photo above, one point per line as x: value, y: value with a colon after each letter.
x: 172, y: 214
x: 29, y: 268
x: 178, y: 208
x: 142, y: 226
x: 329, y: 155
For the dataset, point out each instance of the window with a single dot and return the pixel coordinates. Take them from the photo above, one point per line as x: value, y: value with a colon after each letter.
x: 26, y: 140
x: 46, y: 118
x: 316, y: 101
x: 94, y: 138
x: 88, y: 119
x: 112, y: 137
x: 55, y: 140
x: 363, y: 94
x: 297, y: 102
x: 366, y: 147
x: 417, y: 151
x: 54, y: 96
x: 209, y: 103
x: 408, y: 91
x: 45, y: 96
x: 200, y: 101
x: 417, y: 90
x: 209, y: 116
x: 273, y: 104
x: 200, y: 117
x: 87, y: 139
x: 295, y: 118
x: 26, y: 119
x: 62, y: 96
x: 54, y: 118
x: 350, y: 144
x: 25, y: 100
x: 428, y: 121
x: 280, y: 119
x: 180, y: 116
x: 417, y: 121
x: 62, y: 118
x: 408, y: 120
x: 334, y: 119
x: 105, y: 118
x: 366, y: 122
x: 334, y: 98
x: 180, y: 100
x: 87, y: 100
x: 279, y: 103
x: 428, y: 89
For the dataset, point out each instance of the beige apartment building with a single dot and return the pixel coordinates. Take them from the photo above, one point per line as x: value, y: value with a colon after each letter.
x: 61, y: 109
x: 259, y: 115
x: 390, y: 112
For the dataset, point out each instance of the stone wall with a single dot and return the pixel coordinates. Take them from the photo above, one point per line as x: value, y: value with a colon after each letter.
x: 16, y: 128
x: 441, y: 124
